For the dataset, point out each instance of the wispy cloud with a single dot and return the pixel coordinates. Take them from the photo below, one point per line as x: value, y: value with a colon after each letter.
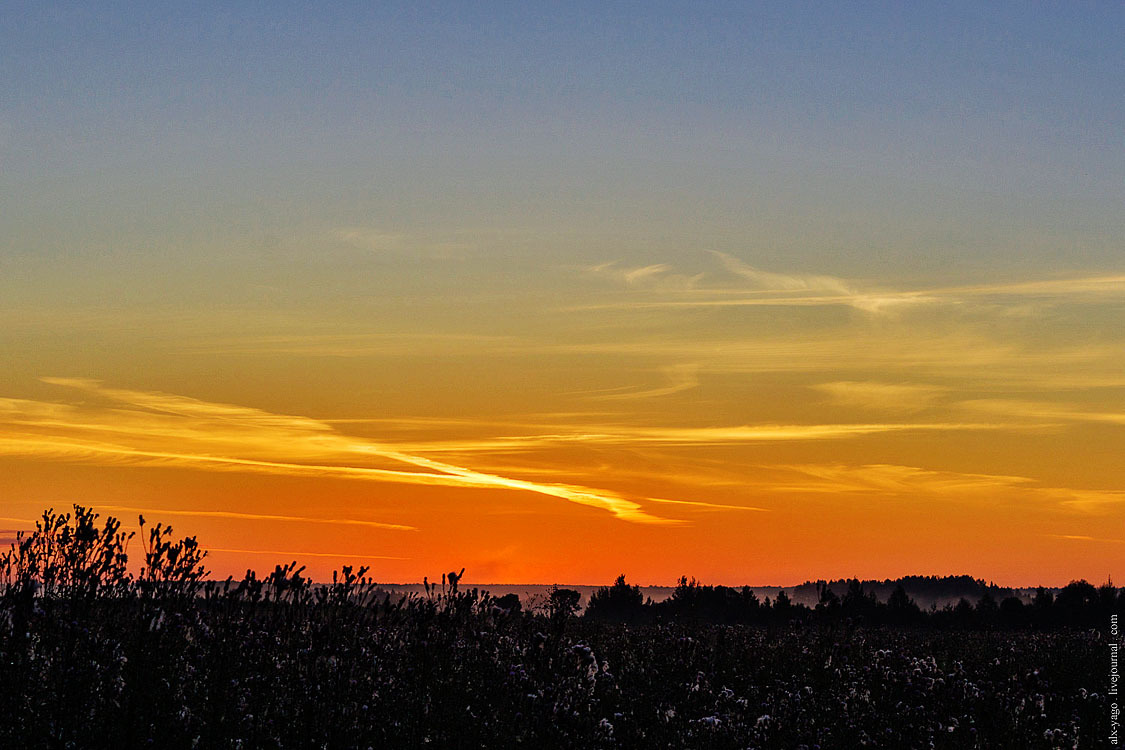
x: 637, y: 436
x: 1086, y: 500
x: 170, y: 430
x: 657, y: 276
x: 1084, y: 538
x: 158, y: 429
x: 255, y: 517
x: 867, y: 302
x: 359, y: 344
x: 911, y: 482
x: 1055, y: 411
x: 711, y: 506
x: 891, y: 351
x: 1086, y: 285
x: 746, y: 285
x: 899, y: 397
x: 680, y: 378
x: 782, y: 282
x: 764, y: 432
x: 773, y: 288
x: 889, y: 479
x: 298, y: 555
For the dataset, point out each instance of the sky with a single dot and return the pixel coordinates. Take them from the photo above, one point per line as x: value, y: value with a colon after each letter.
x: 751, y: 292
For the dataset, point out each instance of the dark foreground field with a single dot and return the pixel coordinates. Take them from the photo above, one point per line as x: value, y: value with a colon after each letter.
x: 454, y: 673
x: 92, y: 657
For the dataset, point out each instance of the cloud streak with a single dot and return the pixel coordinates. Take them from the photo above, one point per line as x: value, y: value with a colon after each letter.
x: 638, y: 436
x: 233, y: 515
x: 158, y: 429
x: 912, y: 482
x: 768, y: 281
x: 359, y: 345
x: 1060, y: 412
x: 899, y: 397
x: 171, y: 430
x: 772, y: 289
x: 890, y: 479
x: 1084, y: 538
x: 297, y: 555
x: 656, y: 276
x: 888, y: 351
x: 680, y: 378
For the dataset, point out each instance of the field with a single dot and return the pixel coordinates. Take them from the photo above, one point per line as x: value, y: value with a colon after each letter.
x: 92, y: 656
x: 455, y: 672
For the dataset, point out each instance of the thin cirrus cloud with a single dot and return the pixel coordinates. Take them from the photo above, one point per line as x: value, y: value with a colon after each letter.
x: 912, y: 482
x: 357, y: 344
x: 1060, y: 412
x: 233, y: 515
x: 903, y: 352
x: 1017, y: 363
x: 838, y: 478
x: 290, y: 553
x: 1085, y: 538
x: 768, y: 281
x: 711, y: 506
x: 769, y: 288
x: 758, y: 433
x: 903, y: 397
x: 165, y: 429
x: 636, y: 436
x: 683, y: 377
x: 751, y: 286
x: 656, y: 276
x: 159, y: 429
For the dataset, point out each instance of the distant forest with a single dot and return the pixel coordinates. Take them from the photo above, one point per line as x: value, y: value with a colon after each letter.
x: 1078, y: 604
x: 925, y: 590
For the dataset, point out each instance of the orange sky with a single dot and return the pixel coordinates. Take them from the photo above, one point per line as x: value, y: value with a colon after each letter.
x: 938, y: 436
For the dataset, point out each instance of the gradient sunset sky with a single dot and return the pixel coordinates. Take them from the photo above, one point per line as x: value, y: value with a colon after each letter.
x: 752, y: 292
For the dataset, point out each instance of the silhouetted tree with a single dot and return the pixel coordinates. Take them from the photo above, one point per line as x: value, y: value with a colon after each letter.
x: 901, y: 609
x: 827, y: 602
x: 988, y: 612
x: 751, y: 605
x: 782, y: 606
x: 857, y: 603
x: 1012, y: 612
x: 1077, y: 603
x: 562, y: 603
x: 964, y: 614
x: 617, y: 603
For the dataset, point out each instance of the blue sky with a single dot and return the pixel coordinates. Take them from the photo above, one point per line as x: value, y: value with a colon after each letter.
x: 1014, y: 106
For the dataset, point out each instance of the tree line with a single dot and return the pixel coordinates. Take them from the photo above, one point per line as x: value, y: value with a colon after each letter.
x: 78, y: 558
x: 1079, y: 604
